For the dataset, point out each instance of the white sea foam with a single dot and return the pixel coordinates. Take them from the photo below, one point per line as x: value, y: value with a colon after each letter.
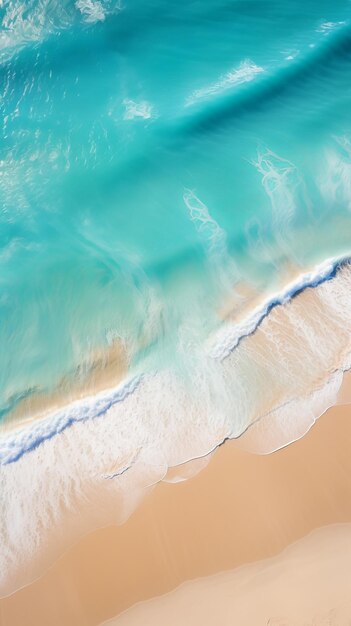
x: 92, y: 10
x: 335, y: 183
x: 134, y: 110
x: 100, y: 456
x: 287, y: 193
x: 33, y: 20
x: 326, y: 27
x: 213, y: 236
x: 23, y: 22
x: 214, y: 241
x: 283, y: 186
x: 229, y: 335
x: 244, y: 73
x: 292, y: 54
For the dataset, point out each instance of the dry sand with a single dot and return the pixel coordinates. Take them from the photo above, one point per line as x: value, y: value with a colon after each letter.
x: 308, y: 584
x: 241, y: 508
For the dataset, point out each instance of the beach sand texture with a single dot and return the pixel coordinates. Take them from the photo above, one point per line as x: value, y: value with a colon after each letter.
x: 240, y: 509
x: 307, y: 585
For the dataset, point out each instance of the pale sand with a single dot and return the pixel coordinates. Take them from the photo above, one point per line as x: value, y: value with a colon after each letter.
x: 307, y: 585
x: 241, y: 508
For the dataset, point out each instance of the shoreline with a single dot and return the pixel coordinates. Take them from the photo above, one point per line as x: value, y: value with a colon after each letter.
x: 102, y: 372
x: 311, y: 279
x: 190, y: 468
x: 114, y: 361
x: 240, y: 509
x: 153, y: 425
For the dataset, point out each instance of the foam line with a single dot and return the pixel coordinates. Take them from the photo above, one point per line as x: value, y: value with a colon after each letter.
x: 229, y: 337
x: 15, y: 444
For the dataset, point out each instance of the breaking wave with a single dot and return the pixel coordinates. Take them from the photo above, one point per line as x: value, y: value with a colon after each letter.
x: 270, y: 377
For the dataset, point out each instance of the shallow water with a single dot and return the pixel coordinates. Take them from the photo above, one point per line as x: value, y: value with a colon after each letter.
x: 203, y: 144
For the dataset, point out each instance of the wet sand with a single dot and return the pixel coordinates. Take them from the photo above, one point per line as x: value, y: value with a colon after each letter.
x: 241, y: 508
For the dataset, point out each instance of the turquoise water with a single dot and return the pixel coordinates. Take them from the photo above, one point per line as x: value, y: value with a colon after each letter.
x: 153, y: 156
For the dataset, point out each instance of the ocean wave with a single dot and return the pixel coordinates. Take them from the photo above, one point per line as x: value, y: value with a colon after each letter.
x: 279, y: 80
x: 269, y: 379
x: 229, y: 337
x: 245, y: 73
x: 13, y: 445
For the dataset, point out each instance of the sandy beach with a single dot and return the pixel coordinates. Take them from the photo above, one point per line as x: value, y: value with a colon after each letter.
x: 240, y: 509
x: 308, y: 584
